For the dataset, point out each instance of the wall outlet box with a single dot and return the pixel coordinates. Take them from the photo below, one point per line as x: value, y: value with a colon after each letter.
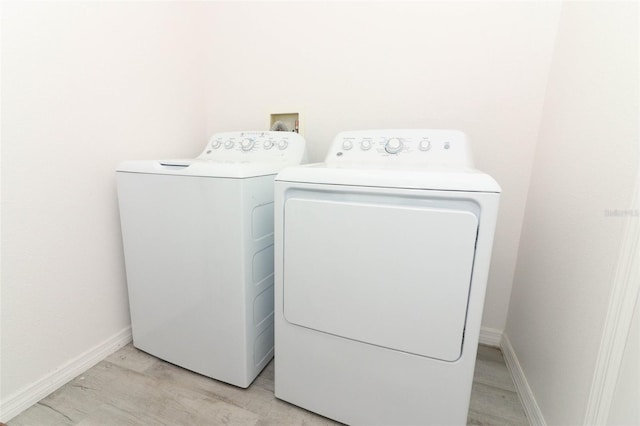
x: 290, y: 119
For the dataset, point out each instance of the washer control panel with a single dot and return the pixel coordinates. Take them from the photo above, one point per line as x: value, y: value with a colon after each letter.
x: 255, y: 146
x: 401, y: 148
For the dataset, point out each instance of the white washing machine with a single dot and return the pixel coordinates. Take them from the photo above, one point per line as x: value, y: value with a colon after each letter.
x: 382, y: 256
x: 198, y: 246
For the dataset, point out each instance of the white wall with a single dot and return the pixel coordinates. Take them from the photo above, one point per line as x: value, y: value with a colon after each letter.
x: 480, y: 67
x: 84, y: 85
x: 586, y: 163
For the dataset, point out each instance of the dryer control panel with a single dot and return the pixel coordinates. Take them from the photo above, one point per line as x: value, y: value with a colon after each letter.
x: 401, y: 148
x: 255, y: 146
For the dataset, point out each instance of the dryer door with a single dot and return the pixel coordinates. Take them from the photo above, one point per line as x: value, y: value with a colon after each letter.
x: 385, y: 271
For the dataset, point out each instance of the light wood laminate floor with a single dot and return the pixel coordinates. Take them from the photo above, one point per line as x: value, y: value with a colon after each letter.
x: 131, y: 387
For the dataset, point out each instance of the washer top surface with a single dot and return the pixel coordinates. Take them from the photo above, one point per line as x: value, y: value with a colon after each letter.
x: 410, y: 158
x: 231, y: 155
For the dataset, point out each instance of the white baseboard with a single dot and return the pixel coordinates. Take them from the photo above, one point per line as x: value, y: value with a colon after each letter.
x: 531, y: 408
x: 490, y: 337
x: 30, y: 394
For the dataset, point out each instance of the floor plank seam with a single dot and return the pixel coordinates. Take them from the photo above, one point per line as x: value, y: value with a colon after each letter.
x: 56, y: 410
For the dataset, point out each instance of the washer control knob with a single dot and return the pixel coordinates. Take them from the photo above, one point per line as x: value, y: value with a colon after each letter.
x: 247, y: 144
x: 393, y: 146
x: 268, y: 144
x: 283, y: 144
x: 228, y: 144
x: 347, y: 145
x: 425, y: 145
x: 365, y: 145
x: 215, y: 144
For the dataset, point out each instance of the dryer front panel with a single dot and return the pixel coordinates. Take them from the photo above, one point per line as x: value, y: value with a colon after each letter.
x: 381, y: 269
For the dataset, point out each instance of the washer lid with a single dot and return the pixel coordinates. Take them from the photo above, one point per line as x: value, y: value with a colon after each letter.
x: 434, y: 178
x: 202, y: 168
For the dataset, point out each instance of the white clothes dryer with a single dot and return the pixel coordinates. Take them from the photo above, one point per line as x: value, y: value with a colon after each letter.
x: 198, y: 246
x: 381, y: 264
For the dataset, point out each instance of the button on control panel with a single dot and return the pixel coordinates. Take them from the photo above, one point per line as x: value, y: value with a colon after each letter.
x: 409, y: 147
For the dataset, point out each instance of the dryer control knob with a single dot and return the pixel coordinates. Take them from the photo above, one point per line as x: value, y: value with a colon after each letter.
x: 228, y: 144
x: 215, y: 144
x: 425, y: 145
x: 347, y: 145
x: 268, y: 144
x: 247, y: 144
x: 283, y: 144
x: 365, y: 145
x: 393, y: 146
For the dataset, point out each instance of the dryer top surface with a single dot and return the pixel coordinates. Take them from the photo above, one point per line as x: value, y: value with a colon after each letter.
x: 441, y: 179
